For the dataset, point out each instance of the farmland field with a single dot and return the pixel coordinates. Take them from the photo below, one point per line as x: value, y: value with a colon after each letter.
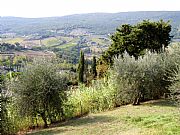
x: 14, y: 40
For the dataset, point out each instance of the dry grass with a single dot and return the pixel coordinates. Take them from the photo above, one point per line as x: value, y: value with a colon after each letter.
x: 151, y: 118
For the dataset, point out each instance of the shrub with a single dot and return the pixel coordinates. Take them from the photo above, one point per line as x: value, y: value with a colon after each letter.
x: 175, y: 87
x: 40, y: 91
x: 146, y: 78
x: 4, y: 117
x: 4, y: 101
x: 98, y: 97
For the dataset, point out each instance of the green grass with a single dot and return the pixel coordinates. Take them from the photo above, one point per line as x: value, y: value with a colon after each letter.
x: 51, y: 41
x: 55, y: 42
x: 151, y: 118
x: 14, y: 40
x: 65, y: 46
x: 97, y: 40
x: 68, y: 39
x: 100, y: 41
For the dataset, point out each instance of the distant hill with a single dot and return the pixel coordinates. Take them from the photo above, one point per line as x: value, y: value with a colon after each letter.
x: 95, y: 23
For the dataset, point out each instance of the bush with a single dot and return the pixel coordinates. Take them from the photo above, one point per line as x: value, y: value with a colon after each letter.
x: 175, y: 87
x: 40, y: 91
x: 5, y: 123
x: 98, y: 97
x: 147, y: 78
x: 4, y: 117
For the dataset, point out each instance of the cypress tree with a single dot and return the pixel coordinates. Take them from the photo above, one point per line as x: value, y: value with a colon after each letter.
x: 81, y: 68
x: 94, y: 71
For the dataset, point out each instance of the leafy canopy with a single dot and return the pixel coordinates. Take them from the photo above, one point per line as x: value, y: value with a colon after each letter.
x: 40, y: 90
x: 135, y: 39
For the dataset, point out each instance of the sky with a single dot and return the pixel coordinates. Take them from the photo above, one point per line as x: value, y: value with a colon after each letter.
x: 49, y: 8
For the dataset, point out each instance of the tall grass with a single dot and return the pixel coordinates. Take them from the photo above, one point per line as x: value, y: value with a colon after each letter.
x: 98, y: 97
x: 16, y: 122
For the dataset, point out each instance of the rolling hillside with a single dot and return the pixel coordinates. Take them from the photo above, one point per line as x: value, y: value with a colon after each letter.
x: 93, y: 23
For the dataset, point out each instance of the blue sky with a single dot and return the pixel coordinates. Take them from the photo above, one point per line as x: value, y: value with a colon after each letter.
x: 47, y: 8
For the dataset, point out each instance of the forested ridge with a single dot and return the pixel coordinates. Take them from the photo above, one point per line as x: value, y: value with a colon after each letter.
x: 96, y: 23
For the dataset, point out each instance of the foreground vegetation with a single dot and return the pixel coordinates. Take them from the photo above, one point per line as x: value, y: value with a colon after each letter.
x: 150, y: 118
x: 130, y: 83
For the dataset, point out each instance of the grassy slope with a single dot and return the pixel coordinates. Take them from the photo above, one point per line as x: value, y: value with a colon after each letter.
x: 13, y: 40
x: 55, y: 42
x: 157, y: 118
x: 51, y: 41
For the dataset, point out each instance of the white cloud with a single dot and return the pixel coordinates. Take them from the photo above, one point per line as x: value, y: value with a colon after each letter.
x: 44, y: 8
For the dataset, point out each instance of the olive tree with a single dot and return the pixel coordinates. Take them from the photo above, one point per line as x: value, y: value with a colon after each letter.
x: 147, y: 78
x: 175, y: 87
x: 175, y: 90
x: 40, y: 91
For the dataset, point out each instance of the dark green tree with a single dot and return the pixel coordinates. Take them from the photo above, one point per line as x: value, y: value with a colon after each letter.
x: 94, y: 71
x: 86, y: 71
x: 81, y: 68
x: 153, y: 36
x: 156, y: 35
